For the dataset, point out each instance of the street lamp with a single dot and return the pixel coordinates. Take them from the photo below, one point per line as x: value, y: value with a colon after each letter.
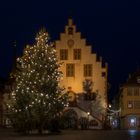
x: 109, y: 105
x: 88, y: 113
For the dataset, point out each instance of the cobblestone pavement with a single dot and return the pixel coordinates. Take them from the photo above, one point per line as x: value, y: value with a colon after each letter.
x: 76, y: 135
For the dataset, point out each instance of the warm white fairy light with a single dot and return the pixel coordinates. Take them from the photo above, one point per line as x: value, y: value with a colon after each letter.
x: 38, y: 82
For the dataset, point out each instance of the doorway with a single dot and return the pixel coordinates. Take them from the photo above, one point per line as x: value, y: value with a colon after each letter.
x: 132, y: 121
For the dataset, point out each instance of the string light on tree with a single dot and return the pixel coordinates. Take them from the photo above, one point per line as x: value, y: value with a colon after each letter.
x: 37, y: 92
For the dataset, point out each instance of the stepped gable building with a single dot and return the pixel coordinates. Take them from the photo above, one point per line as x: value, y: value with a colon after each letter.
x: 83, y: 74
x: 80, y: 66
x: 130, y: 102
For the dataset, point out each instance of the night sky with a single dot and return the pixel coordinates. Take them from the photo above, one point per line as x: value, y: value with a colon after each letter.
x: 112, y: 27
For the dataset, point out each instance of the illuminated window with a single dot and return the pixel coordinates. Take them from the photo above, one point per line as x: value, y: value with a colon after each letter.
x: 87, y: 70
x: 63, y: 54
x: 77, y: 54
x: 70, y: 70
x: 130, y: 104
x: 70, y: 31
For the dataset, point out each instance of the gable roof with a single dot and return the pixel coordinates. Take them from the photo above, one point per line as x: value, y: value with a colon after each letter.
x: 134, y: 79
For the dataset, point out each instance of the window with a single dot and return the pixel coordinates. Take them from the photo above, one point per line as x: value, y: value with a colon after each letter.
x: 137, y: 104
x: 87, y: 70
x: 129, y: 91
x: 63, y: 54
x: 136, y: 91
x: 103, y: 74
x: 70, y: 31
x: 70, y: 70
x: 130, y: 104
x: 77, y: 54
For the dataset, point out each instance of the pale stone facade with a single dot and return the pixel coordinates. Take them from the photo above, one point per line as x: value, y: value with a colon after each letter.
x: 80, y: 64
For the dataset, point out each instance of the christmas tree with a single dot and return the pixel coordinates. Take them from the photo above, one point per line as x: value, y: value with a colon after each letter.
x: 37, y: 98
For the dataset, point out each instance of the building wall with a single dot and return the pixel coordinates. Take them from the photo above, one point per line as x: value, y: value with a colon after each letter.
x: 125, y: 100
x: 130, y: 107
x: 87, y: 57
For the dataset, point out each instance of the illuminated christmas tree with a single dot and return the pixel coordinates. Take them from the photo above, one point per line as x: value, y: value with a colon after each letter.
x: 37, y: 97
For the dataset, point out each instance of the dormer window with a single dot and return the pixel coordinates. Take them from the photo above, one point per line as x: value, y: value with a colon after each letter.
x: 138, y: 80
x: 70, y: 31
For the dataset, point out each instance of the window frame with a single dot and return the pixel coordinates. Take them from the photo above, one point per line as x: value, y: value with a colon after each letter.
x: 63, y: 54
x: 88, y: 69
x: 130, y: 102
x: 77, y: 54
x: 70, y: 70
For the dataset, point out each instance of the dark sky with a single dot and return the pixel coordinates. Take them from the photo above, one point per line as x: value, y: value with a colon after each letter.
x: 111, y: 26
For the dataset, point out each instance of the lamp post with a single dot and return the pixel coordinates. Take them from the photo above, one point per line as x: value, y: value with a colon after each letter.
x: 88, y: 113
x: 110, y: 114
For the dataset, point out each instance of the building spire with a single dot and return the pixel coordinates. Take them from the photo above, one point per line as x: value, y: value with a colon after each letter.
x: 70, y: 15
x: 70, y: 21
x: 14, y: 56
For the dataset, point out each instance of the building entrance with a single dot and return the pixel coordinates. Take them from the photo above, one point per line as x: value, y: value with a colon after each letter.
x: 132, y: 121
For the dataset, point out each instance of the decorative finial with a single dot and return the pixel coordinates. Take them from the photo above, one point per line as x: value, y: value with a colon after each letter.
x: 70, y: 22
x: 70, y: 14
x: 70, y: 19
